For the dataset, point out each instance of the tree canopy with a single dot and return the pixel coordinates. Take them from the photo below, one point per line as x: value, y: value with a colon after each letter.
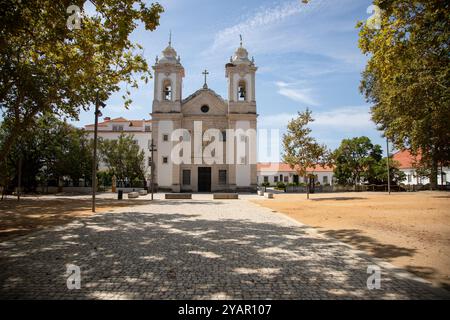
x: 407, y: 77
x: 123, y: 157
x: 354, y: 158
x: 358, y: 160
x: 48, y: 151
x: 46, y: 67
x: 301, y: 150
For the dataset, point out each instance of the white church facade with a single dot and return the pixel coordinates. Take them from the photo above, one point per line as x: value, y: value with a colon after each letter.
x: 199, y: 119
x: 203, y: 142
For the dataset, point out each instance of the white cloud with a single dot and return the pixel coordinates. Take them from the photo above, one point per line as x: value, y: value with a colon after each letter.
x: 356, y: 118
x: 347, y: 119
x: 261, y: 27
x: 315, y: 28
x: 302, y: 95
x: 262, y: 18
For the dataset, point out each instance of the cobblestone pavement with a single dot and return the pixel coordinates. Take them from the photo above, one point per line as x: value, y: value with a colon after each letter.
x: 199, y: 249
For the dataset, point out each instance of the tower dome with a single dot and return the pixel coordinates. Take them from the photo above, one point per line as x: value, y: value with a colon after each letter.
x: 169, y: 55
x: 241, y: 55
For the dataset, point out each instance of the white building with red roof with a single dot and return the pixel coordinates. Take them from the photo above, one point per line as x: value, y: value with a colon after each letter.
x: 407, y: 164
x: 274, y: 172
x: 111, y: 129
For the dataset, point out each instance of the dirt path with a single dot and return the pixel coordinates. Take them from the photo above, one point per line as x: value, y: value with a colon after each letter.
x: 410, y: 230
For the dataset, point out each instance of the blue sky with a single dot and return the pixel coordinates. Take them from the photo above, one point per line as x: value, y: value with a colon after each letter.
x: 307, y: 57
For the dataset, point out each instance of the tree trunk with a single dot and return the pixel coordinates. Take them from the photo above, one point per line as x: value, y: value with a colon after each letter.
x: 307, y: 187
x: 433, y: 175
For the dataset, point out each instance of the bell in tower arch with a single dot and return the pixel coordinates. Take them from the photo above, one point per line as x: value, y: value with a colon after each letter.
x: 241, y: 91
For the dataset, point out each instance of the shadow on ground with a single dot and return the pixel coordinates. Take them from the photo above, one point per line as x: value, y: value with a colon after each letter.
x: 179, y: 256
x: 338, y: 198
x: 362, y: 242
x: 18, y: 218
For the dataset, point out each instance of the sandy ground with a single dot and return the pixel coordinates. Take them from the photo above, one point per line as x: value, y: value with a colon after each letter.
x: 410, y: 230
x: 39, y: 212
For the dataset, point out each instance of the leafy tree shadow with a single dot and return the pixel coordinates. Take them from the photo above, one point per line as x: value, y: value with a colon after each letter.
x: 362, y: 242
x: 338, y: 198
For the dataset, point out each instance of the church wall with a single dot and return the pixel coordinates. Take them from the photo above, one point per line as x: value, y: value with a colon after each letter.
x: 243, y: 171
x: 164, y: 171
x: 222, y: 115
x: 215, y: 186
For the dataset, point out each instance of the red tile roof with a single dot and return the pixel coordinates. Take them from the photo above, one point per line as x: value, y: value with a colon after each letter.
x: 406, y: 159
x: 135, y: 123
x: 280, y: 166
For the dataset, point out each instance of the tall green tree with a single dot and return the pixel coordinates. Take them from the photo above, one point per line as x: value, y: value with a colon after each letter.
x: 47, y: 67
x: 123, y: 157
x: 49, y: 150
x: 378, y: 174
x: 355, y: 159
x: 407, y: 77
x: 301, y: 151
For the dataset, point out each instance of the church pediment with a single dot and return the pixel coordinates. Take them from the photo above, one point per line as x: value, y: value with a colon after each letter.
x: 204, y: 102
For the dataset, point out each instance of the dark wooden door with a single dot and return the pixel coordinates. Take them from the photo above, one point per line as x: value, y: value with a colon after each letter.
x: 204, y: 179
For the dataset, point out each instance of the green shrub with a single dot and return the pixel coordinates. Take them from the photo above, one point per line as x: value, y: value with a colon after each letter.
x: 280, y: 185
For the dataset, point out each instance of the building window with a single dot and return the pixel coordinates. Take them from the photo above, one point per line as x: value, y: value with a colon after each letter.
x: 266, y: 179
x: 243, y: 160
x: 242, y: 92
x: 222, y: 177
x: 286, y: 179
x: 204, y: 109
x: 165, y: 160
x: 325, y: 179
x: 165, y: 137
x: 148, y: 128
x: 409, y: 178
x: 186, y: 177
x: 167, y: 90
x: 149, y: 161
x: 117, y: 128
x: 275, y: 179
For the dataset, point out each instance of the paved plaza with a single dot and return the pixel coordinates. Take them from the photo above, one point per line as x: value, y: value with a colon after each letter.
x: 195, y: 249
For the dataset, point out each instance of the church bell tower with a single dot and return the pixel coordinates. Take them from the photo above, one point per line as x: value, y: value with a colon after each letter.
x: 169, y: 74
x: 241, y: 72
x: 166, y: 116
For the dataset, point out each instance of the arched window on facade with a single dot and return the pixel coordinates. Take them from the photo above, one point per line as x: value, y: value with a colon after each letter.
x: 242, y: 91
x: 167, y: 90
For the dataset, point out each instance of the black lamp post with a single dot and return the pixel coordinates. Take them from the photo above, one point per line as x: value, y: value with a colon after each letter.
x: 98, y: 113
x: 388, y: 166
x: 152, y: 167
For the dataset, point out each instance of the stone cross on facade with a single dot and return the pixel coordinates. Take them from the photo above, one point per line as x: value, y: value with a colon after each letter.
x: 205, y: 73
